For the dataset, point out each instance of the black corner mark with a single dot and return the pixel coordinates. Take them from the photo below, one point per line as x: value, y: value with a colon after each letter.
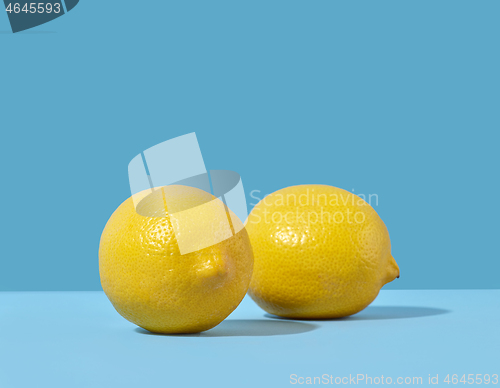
x: 24, y: 15
x: 70, y: 4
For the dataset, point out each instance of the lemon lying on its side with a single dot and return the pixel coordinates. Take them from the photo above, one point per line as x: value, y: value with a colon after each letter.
x: 319, y: 252
x: 151, y: 284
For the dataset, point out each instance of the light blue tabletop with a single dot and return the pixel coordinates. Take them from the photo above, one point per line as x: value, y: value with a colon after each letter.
x: 76, y: 339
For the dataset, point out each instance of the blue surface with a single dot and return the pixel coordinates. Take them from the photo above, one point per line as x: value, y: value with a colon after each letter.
x: 397, y: 98
x: 77, y: 340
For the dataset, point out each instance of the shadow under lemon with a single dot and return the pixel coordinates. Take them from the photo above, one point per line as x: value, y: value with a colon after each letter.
x: 380, y: 313
x: 247, y: 328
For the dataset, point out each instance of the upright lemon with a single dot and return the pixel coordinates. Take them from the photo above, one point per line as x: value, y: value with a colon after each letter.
x: 152, y: 284
x: 320, y: 252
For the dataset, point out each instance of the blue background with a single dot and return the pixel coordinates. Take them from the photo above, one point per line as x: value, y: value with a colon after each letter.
x: 80, y: 341
x: 397, y: 98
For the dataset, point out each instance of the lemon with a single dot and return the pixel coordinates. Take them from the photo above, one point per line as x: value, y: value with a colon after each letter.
x: 149, y: 281
x: 319, y: 252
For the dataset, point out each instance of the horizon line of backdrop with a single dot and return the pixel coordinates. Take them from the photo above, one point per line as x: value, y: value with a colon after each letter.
x: 393, y: 98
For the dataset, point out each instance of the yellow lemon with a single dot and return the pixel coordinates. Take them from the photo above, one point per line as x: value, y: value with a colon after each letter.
x: 320, y: 252
x: 152, y: 284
